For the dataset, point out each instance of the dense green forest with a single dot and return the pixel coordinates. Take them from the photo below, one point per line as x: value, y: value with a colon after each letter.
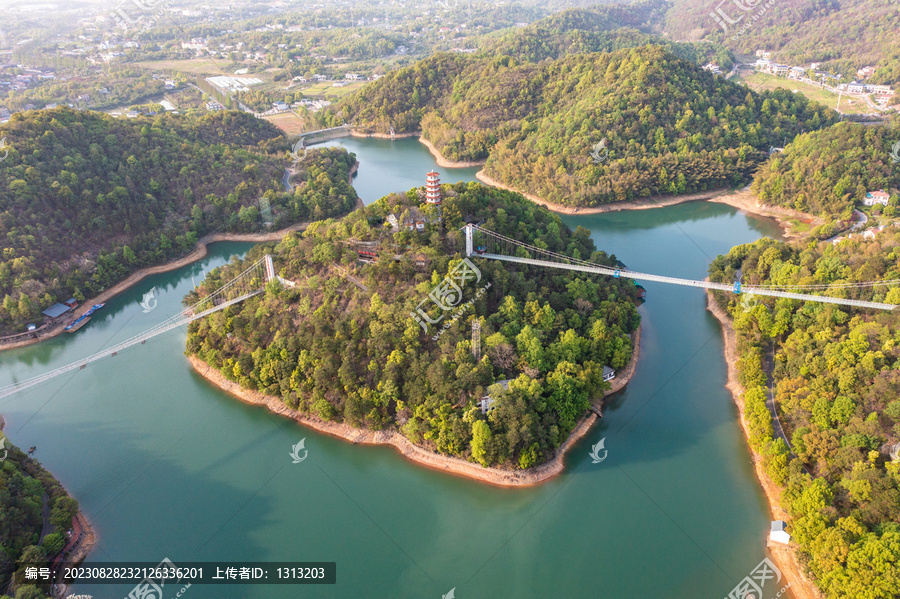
x: 835, y: 374
x: 843, y: 35
x: 830, y: 171
x: 344, y: 345
x: 23, y: 486
x: 668, y: 125
x: 86, y: 199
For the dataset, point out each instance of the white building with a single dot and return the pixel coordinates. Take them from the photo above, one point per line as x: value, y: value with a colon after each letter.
x: 876, y: 197
x: 778, y: 534
x: 796, y: 73
x: 608, y: 373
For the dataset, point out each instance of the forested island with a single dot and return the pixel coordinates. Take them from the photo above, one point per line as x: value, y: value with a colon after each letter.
x: 25, y: 488
x: 86, y: 199
x: 344, y: 344
x: 835, y: 375
x: 590, y: 129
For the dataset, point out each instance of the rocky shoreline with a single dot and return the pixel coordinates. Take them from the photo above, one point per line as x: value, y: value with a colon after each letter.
x: 419, y: 455
x: 445, y: 162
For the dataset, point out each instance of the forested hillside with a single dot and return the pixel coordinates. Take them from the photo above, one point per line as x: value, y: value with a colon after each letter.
x: 602, y: 29
x: 830, y: 171
x: 836, y: 378
x: 85, y: 199
x: 23, y: 484
x: 668, y: 125
x: 843, y: 35
x: 346, y: 347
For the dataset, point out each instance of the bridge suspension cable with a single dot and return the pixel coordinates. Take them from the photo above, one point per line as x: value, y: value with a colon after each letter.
x: 494, y: 246
x: 247, y: 284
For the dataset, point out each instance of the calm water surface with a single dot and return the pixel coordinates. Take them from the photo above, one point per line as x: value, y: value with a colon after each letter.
x: 165, y: 465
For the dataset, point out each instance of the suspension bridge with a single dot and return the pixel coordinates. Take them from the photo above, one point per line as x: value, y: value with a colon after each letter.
x: 480, y: 242
x: 249, y: 283
x: 487, y: 244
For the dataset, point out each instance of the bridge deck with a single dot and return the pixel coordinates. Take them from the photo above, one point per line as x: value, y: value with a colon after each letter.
x: 639, y: 276
x: 164, y: 327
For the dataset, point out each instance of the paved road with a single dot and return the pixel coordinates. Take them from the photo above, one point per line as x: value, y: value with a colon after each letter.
x: 861, y: 222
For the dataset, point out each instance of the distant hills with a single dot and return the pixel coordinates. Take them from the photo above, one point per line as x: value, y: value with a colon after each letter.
x: 603, y: 29
x: 841, y: 34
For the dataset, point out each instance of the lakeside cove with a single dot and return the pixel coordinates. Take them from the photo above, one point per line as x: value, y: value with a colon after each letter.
x: 672, y: 435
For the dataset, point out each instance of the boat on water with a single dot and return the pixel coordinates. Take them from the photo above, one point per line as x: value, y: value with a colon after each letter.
x: 83, y: 319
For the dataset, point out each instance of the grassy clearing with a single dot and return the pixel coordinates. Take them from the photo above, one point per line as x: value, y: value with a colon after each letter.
x: 324, y: 89
x: 194, y: 66
x: 289, y: 123
x: 764, y: 81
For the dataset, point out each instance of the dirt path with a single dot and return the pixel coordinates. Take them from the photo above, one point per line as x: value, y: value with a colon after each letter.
x: 785, y: 557
x: 448, y: 464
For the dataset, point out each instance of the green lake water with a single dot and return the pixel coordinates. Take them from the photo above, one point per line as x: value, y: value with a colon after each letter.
x: 165, y: 465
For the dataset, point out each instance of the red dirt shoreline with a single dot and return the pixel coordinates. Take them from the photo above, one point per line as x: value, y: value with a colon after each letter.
x: 419, y: 455
x: 741, y: 199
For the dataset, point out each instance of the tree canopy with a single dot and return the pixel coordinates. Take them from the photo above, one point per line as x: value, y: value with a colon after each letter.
x: 835, y: 377
x: 86, y: 199
x: 586, y: 129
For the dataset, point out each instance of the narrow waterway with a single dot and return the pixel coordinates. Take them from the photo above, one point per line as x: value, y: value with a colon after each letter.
x: 167, y: 466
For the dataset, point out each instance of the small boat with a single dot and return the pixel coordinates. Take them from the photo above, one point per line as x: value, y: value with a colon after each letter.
x: 32, y: 450
x: 83, y: 319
